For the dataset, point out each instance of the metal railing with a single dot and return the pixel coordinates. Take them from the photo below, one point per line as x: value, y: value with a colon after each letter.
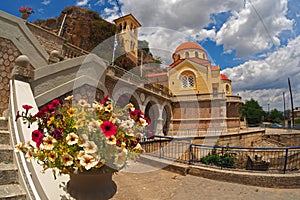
x: 274, y: 160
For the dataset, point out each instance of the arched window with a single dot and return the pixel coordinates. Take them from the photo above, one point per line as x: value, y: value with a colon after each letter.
x: 187, y: 81
x: 187, y: 55
x: 196, y: 54
x: 227, y: 89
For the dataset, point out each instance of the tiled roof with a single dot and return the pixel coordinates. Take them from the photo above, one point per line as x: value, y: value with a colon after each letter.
x: 224, y: 77
x: 189, y: 45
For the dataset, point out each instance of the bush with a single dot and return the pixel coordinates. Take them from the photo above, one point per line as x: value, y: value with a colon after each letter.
x: 213, y: 158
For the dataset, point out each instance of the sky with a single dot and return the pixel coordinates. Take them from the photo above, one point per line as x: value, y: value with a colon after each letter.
x: 255, y: 42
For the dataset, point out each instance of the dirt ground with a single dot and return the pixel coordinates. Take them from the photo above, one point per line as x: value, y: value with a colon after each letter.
x: 143, y: 182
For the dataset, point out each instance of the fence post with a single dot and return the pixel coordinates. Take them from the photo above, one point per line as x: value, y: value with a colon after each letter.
x: 285, y: 159
x: 190, y: 155
x: 160, y: 147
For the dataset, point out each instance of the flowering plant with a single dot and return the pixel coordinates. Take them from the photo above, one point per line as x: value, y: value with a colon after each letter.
x: 26, y: 9
x: 74, y: 137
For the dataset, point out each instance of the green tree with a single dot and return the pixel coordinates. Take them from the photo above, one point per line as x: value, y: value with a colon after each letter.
x: 252, y: 111
x: 275, y: 116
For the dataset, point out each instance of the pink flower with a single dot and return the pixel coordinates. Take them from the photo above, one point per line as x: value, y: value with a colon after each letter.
x: 37, y: 136
x: 108, y: 128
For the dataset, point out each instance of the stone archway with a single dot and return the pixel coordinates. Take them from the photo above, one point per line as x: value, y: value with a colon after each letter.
x: 125, y: 99
x: 152, y: 113
x: 166, y: 119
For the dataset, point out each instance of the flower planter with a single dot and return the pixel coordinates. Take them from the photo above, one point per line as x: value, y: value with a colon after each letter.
x: 91, y: 186
x: 25, y: 15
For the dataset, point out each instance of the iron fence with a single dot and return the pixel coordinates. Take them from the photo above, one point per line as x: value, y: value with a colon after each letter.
x: 274, y: 160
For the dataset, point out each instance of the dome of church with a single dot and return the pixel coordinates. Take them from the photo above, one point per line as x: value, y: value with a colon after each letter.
x: 189, y: 45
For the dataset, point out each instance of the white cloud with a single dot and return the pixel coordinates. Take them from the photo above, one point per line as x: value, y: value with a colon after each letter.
x: 255, y: 28
x: 269, y: 76
x: 82, y: 3
x: 243, y: 31
x: 46, y: 2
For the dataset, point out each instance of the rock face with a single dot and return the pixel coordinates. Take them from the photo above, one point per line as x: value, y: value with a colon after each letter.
x: 82, y: 27
x: 86, y: 29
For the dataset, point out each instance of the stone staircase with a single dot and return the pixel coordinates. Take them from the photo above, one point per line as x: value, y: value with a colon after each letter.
x: 9, y: 186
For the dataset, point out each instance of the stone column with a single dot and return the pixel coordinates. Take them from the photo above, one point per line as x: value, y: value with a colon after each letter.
x: 22, y: 69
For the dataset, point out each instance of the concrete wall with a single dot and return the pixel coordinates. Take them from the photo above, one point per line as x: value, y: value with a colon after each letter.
x: 234, y: 176
x: 292, y: 139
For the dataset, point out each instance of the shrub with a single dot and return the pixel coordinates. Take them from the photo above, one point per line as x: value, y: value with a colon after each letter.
x: 224, y: 160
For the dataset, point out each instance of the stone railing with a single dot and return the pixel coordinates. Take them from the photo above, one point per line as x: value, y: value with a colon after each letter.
x: 234, y: 98
x: 72, y: 51
x: 198, y: 97
x: 139, y: 81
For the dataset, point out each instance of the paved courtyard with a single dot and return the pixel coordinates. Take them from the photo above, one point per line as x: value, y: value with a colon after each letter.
x: 143, y: 182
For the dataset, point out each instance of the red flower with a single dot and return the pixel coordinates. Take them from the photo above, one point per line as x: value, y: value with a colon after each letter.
x: 37, y: 136
x: 108, y: 128
x: 136, y: 114
x: 50, y: 108
x: 148, y: 121
x: 55, y: 102
x: 27, y: 107
x: 104, y: 100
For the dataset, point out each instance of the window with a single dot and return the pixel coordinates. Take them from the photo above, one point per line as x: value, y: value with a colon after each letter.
x: 196, y: 54
x: 187, y: 81
x: 227, y: 89
x: 187, y: 55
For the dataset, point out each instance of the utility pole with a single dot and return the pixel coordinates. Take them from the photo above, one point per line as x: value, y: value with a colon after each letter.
x: 292, y: 105
x: 283, y: 95
x: 62, y: 25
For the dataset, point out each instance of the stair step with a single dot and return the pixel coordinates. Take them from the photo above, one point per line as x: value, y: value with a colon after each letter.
x: 12, y: 192
x: 6, y: 153
x: 8, y: 173
x: 4, y: 137
x: 3, y: 123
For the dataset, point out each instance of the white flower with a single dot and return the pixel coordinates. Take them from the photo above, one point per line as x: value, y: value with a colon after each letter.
x: 67, y: 160
x: 83, y: 139
x: 111, y: 140
x: 90, y: 147
x: 127, y: 123
x: 129, y: 132
x: 49, y: 142
x: 28, y: 156
x: 93, y: 126
x: 88, y: 161
x: 52, y: 156
x: 19, y: 147
x: 72, y: 138
x: 120, y: 159
x: 143, y: 122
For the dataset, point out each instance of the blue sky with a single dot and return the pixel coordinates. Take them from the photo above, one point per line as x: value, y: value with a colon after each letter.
x: 255, y: 42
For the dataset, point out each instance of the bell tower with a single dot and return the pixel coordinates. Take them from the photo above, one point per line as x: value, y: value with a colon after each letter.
x: 127, y: 30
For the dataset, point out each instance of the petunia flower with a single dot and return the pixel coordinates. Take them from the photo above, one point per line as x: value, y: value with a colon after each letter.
x: 49, y: 142
x: 72, y: 138
x: 90, y: 147
x: 52, y: 156
x: 111, y: 140
x: 37, y: 137
x: 108, y: 128
x: 88, y: 161
x: 27, y: 107
x: 67, y: 159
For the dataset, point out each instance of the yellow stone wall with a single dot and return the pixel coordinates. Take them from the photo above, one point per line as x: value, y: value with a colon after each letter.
x: 201, y: 76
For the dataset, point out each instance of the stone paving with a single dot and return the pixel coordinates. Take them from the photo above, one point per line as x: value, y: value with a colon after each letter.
x: 143, y: 182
